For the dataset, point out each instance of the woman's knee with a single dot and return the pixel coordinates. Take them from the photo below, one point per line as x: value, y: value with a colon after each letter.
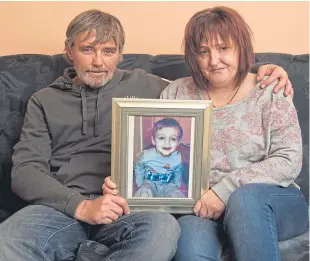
x: 249, y: 195
x: 190, y: 222
x: 199, y: 240
x: 246, y: 203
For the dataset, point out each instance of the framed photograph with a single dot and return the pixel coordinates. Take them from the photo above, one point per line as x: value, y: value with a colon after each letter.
x: 161, y: 152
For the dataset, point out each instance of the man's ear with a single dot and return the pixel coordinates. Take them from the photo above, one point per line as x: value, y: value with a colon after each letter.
x: 153, y: 141
x: 121, y: 58
x: 69, y: 54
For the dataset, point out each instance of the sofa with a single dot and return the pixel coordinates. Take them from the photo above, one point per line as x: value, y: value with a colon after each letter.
x: 22, y: 75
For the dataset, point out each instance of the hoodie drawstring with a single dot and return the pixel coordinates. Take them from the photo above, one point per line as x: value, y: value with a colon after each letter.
x: 97, y: 121
x: 84, y: 110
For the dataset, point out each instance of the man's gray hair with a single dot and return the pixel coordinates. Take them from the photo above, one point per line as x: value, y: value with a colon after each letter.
x: 106, y: 26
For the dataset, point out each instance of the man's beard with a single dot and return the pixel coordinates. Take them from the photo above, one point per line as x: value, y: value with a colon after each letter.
x: 91, y: 80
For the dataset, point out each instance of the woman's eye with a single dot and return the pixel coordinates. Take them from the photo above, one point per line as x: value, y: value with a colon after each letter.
x: 204, y: 53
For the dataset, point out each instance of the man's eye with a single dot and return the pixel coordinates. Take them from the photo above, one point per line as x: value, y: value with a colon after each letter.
x: 87, y: 50
x: 161, y: 138
x: 173, y: 139
x: 225, y: 48
x: 109, y: 52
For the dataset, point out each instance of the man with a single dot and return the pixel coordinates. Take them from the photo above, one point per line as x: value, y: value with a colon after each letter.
x: 64, y: 155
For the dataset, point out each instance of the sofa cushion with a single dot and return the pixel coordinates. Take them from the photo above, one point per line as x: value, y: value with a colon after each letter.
x: 296, y: 248
x: 170, y: 67
x: 133, y: 61
x: 20, y: 77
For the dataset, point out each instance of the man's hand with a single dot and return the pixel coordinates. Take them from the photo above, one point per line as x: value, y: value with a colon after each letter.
x: 209, y: 206
x: 102, y: 210
x: 275, y: 72
x: 109, y: 187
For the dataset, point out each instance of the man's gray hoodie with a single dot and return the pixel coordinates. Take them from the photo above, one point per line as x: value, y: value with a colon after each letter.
x: 64, y: 152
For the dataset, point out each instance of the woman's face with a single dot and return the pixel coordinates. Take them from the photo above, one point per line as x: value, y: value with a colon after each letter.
x: 218, y: 62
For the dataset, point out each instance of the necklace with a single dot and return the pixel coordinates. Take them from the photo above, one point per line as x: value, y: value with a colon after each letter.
x: 233, y: 96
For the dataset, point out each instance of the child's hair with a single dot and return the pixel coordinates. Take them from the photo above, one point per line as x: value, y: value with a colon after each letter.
x: 167, y: 122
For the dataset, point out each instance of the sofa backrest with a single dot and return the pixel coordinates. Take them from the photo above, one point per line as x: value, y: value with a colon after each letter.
x: 22, y: 75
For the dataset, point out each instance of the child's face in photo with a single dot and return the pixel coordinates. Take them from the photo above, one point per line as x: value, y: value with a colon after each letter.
x: 166, y: 140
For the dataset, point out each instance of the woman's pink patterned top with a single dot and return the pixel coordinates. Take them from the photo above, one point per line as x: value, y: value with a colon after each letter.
x: 256, y: 140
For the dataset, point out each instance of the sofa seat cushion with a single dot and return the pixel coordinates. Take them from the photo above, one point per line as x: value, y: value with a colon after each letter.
x: 296, y: 248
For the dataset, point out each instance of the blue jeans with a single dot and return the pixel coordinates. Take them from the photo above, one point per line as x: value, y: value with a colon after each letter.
x: 256, y: 217
x: 40, y: 233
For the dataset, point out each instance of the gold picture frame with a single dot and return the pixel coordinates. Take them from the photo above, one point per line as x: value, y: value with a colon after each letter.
x: 133, y: 135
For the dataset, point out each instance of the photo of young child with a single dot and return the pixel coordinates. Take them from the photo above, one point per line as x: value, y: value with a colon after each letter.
x: 158, y: 170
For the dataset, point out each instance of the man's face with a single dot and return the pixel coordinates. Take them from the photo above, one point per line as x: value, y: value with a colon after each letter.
x: 94, y: 64
x: 166, y: 140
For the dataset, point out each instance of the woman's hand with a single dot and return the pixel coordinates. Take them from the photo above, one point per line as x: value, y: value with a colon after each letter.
x: 275, y: 72
x: 109, y: 187
x: 209, y: 206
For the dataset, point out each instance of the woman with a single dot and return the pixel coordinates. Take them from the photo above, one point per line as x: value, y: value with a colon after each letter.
x: 253, y: 201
